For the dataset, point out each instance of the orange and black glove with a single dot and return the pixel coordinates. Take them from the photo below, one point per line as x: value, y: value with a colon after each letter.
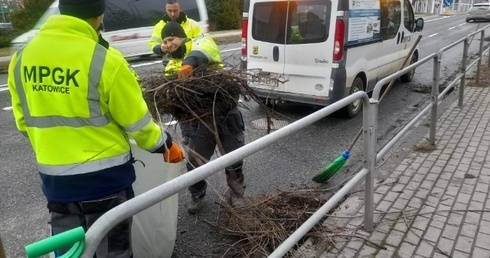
x: 185, y: 71
x: 173, y: 154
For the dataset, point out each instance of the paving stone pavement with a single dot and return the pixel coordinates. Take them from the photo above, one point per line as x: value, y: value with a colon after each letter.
x: 433, y: 204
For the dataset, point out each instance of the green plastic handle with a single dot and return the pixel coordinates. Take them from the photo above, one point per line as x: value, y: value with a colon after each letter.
x: 75, y: 237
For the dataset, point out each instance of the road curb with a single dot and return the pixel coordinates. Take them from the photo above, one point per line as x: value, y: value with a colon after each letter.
x: 4, y: 64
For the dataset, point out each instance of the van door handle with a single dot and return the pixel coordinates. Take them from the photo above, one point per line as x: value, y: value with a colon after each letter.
x: 275, y: 53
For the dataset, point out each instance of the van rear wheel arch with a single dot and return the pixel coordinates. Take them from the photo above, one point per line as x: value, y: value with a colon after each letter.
x: 354, y: 108
x: 408, y: 77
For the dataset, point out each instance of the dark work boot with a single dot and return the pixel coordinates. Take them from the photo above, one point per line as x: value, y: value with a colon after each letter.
x: 198, y: 191
x: 237, y: 201
x: 195, y: 206
x: 196, y: 198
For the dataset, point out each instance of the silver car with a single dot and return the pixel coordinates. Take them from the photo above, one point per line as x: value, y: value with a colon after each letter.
x: 479, y: 12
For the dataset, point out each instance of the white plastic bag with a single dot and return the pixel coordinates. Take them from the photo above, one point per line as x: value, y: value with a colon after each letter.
x: 154, y: 229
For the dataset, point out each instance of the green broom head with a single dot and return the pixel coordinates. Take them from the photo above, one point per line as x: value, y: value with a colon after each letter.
x: 332, y: 168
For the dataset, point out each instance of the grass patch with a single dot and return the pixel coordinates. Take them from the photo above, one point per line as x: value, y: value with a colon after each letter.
x: 5, y: 51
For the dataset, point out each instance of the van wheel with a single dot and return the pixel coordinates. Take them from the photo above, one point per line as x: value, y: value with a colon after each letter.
x: 354, y: 108
x: 408, y: 77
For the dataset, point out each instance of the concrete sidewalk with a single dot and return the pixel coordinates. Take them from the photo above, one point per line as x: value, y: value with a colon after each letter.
x: 433, y: 204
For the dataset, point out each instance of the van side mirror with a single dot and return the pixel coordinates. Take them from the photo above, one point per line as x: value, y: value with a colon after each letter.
x: 419, y: 24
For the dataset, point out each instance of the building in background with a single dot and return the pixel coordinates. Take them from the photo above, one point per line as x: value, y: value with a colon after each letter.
x: 443, y: 6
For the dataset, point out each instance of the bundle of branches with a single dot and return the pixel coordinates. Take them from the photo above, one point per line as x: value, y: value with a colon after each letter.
x: 264, y: 223
x: 209, y: 94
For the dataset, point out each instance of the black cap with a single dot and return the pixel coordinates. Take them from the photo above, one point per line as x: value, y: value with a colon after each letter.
x: 173, y: 29
x: 82, y: 8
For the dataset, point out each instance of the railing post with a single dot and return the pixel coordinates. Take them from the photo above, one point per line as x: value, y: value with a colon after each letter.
x: 369, y: 134
x: 488, y: 61
x: 433, y: 98
x: 480, y: 56
x: 463, y: 71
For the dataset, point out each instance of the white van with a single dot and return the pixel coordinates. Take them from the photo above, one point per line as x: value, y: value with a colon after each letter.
x: 320, y: 51
x: 128, y: 24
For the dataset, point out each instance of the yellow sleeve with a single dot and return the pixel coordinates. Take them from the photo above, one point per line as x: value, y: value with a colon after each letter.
x: 121, y: 54
x: 195, y: 29
x: 129, y: 109
x: 16, y: 105
x: 156, y: 36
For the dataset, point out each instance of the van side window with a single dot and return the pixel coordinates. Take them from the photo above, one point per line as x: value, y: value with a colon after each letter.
x: 297, y: 23
x: 390, y: 18
x: 408, y: 16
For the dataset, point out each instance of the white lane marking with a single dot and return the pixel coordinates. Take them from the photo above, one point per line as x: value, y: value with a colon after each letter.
x: 147, y: 64
x: 230, y: 50
x: 159, y: 61
x: 171, y: 122
x: 436, y: 19
x: 3, y: 87
x: 435, y: 34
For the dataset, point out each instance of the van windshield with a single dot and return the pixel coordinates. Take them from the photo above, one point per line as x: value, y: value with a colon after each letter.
x: 291, y: 22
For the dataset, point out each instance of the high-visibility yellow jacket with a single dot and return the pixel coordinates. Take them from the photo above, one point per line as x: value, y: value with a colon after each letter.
x: 198, y: 51
x: 78, y: 103
x: 191, y: 27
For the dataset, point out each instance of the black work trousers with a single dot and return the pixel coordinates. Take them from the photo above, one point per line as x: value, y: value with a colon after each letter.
x: 116, y: 244
x: 203, y: 142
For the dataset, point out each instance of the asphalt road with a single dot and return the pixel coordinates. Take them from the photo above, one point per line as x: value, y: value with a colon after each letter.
x: 288, y: 164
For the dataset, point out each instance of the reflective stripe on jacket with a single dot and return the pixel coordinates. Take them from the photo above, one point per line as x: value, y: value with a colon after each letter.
x: 201, y: 45
x: 191, y: 27
x: 78, y: 102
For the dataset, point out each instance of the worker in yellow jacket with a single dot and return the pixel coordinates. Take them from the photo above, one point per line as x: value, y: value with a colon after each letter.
x: 204, y: 49
x: 173, y: 13
x: 187, y: 55
x: 79, y: 103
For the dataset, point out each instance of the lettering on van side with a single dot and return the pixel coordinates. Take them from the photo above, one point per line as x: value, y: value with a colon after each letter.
x: 321, y: 61
x: 258, y: 57
x: 62, y: 79
x: 406, y: 39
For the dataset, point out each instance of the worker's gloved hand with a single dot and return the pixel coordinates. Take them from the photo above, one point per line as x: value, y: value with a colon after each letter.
x: 185, y: 71
x: 164, y: 48
x: 173, y: 154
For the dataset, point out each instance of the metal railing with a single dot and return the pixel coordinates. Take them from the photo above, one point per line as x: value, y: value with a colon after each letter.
x: 435, y: 99
x: 370, y: 121
x: 123, y: 211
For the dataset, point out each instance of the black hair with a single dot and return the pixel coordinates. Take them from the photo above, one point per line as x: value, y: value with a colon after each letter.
x: 172, y: 2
